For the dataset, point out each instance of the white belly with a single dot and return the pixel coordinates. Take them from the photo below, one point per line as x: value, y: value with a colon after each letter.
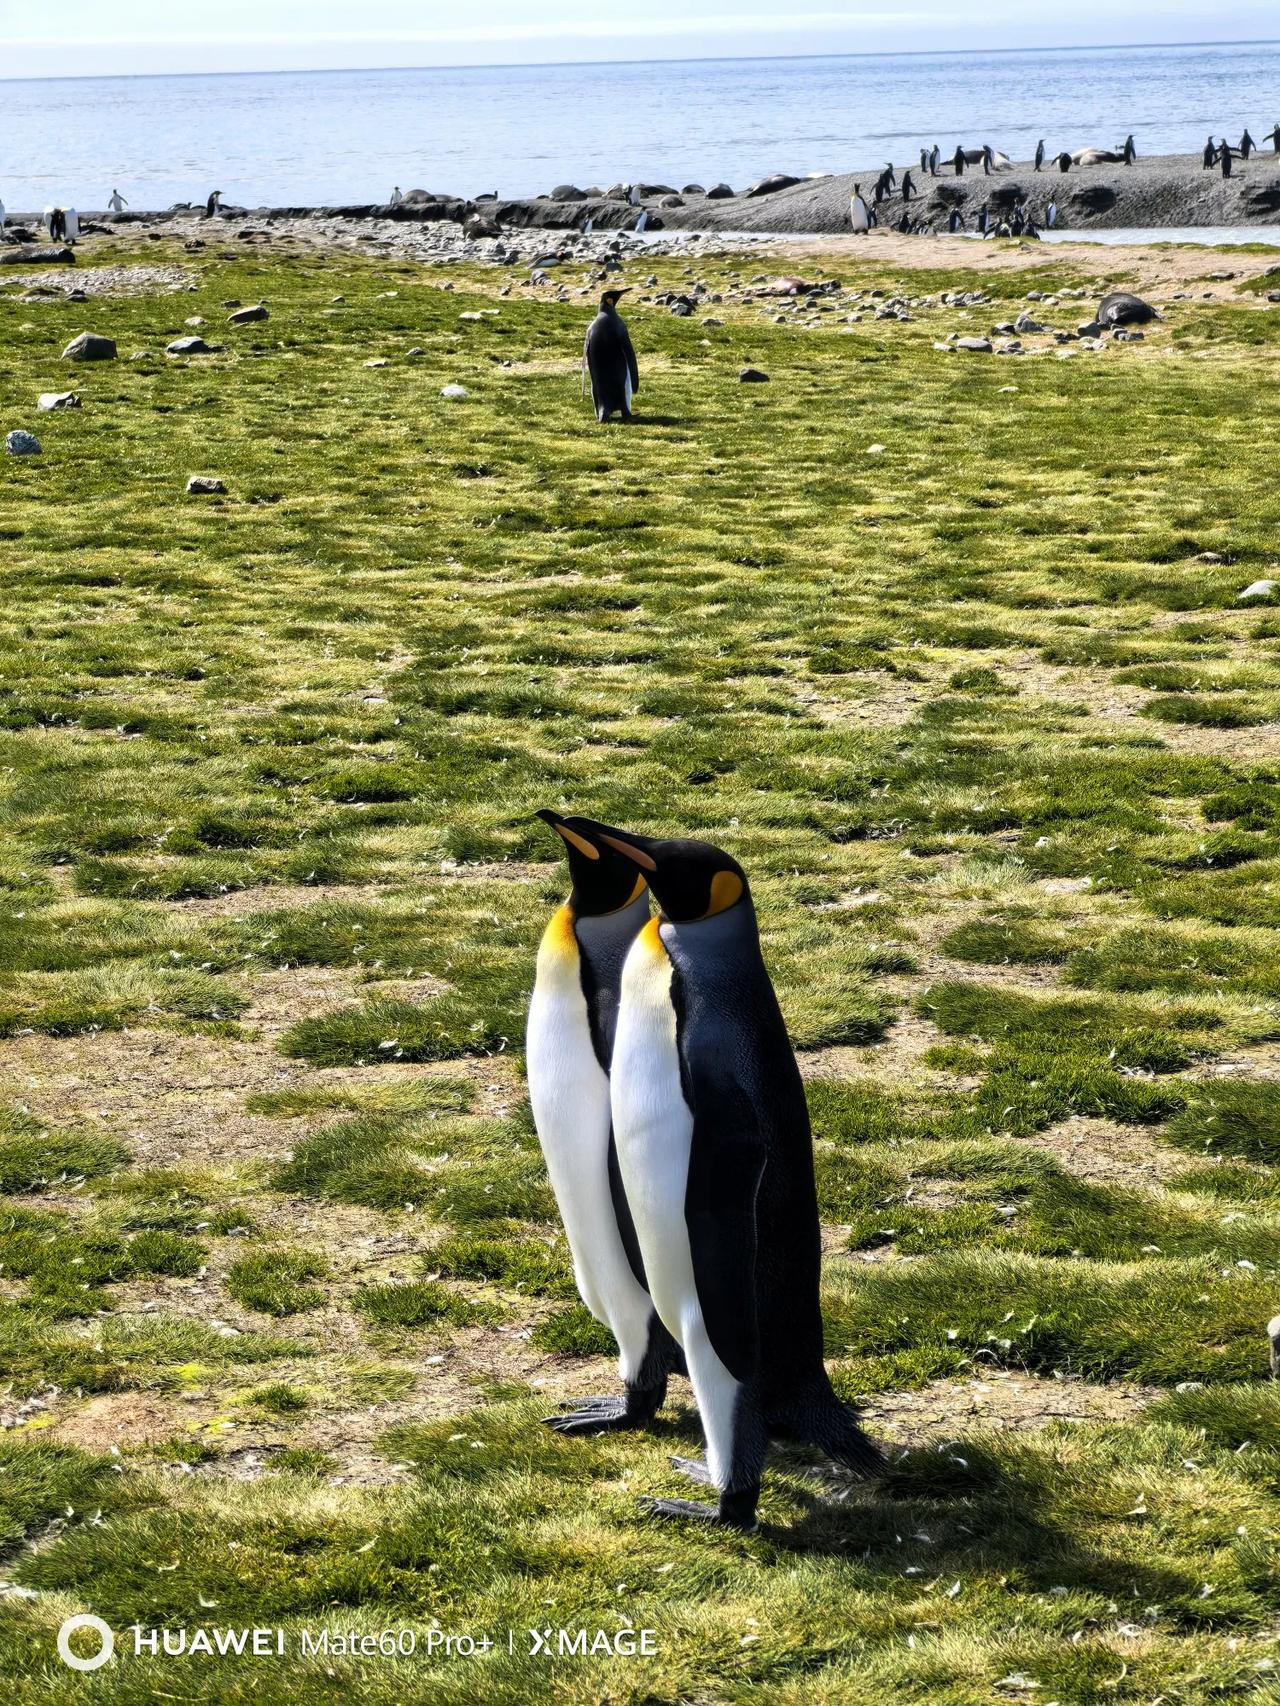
x: 653, y: 1128
x: 569, y: 1093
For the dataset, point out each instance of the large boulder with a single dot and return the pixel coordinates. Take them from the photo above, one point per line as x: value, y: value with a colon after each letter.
x: 89, y: 346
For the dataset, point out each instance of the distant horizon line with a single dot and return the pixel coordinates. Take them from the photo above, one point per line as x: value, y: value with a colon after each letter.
x: 670, y: 59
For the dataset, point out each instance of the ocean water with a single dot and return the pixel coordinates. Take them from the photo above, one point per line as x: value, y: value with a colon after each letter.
x: 336, y: 137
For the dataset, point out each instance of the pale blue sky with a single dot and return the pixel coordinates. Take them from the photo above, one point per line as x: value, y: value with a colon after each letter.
x: 84, y: 37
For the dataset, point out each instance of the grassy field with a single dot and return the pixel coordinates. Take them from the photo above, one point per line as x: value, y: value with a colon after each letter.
x: 947, y: 650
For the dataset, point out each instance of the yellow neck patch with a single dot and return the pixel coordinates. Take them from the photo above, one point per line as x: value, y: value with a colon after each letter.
x: 726, y: 891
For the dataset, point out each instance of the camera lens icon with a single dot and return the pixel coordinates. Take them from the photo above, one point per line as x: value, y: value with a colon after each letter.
x: 72, y: 1625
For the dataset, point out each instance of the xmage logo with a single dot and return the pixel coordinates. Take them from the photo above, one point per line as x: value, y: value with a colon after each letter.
x: 85, y: 1620
x: 586, y: 1643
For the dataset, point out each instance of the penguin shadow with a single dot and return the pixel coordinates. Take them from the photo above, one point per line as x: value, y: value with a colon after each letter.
x: 938, y: 1513
x: 656, y: 421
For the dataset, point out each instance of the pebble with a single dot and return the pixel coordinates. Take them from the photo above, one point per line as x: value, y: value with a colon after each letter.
x: 21, y: 443
x: 204, y: 485
x: 454, y: 391
x: 1259, y: 589
x: 248, y: 316
x: 57, y: 400
x: 378, y: 361
x: 975, y: 346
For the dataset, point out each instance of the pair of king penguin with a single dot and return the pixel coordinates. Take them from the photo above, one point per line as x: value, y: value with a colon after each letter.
x: 673, y: 1121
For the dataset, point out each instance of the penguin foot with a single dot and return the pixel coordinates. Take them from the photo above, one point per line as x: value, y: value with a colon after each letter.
x: 694, y: 1468
x: 592, y: 1416
x: 717, y: 1514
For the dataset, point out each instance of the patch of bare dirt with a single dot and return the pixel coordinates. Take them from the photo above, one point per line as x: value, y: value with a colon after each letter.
x: 274, y: 897
x: 1105, y: 1153
x: 1005, y: 1401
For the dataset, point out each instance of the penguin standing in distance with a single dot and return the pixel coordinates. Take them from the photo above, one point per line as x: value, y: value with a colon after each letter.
x: 572, y: 1019
x: 1273, y: 137
x: 1040, y: 154
x: 1129, y: 153
x: 1210, y: 155
x: 609, y: 359
x: 716, y: 1159
x: 1247, y: 144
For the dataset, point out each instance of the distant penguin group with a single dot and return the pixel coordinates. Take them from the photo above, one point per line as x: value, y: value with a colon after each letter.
x: 672, y: 1116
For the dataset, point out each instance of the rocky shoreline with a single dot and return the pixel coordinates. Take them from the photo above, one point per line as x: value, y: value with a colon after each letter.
x: 1162, y: 192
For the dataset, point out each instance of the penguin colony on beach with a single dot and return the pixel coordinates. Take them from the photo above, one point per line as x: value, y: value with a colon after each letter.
x: 672, y: 1116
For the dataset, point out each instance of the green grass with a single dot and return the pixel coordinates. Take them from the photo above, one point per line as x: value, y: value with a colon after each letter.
x: 992, y: 739
x: 277, y: 1282
x: 418, y: 1303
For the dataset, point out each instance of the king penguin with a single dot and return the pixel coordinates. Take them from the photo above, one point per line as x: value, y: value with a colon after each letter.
x: 610, y: 360
x: 572, y: 1018
x: 716, y: 1160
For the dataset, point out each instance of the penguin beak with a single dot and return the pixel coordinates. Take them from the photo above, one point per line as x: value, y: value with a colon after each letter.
x: 632, y: 847
x: 570, y: 837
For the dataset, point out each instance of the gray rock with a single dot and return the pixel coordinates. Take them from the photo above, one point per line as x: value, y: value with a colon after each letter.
x: 247, y: 316
x: 89, y: 346
x: 976, y: 346
x: 753, y: 376
x: 1259, y: 589
x: 1024, y: 323
x: 21, y: 443
x: 57, y: 400
x: 204, y: 485
x: 191, y: 346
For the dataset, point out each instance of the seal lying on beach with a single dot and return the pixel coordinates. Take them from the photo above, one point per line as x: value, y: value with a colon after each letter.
x: 1097, y: 157
x: 1123, y: 308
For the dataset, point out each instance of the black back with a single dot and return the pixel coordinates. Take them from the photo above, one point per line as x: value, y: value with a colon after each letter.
x: 751, y: 1203
x: 610, y: 358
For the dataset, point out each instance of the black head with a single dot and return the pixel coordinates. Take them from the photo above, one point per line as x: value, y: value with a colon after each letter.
x: 603, y: 880
x: 691, y: 880
x: 609, y: 298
